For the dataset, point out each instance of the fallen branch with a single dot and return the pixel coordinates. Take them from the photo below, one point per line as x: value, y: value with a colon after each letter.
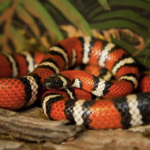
x: 36, y: 129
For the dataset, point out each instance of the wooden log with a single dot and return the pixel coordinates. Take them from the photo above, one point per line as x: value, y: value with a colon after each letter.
x: 36, y: 129
x: 104, y: 140
x: 12, y: 145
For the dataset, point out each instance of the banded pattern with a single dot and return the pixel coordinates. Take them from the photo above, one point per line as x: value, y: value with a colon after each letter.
x: 121, y: 22
x: 90, y: 83
x: 104, y: 54
x: 74, y: 104
x: 19, y: 64
x: 99, y: 72
x: 87, y: 44
x: 123, y: 112
x: 60, y: 51
x: 12, y: 63
x: 30, y: 60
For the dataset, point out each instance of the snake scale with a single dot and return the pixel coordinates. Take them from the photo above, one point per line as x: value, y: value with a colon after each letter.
x: 79, y: 96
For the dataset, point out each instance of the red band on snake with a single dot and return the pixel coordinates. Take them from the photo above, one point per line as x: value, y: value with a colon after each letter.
x: 82, y: 106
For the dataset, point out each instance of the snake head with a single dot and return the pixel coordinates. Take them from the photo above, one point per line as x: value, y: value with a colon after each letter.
x: 53, y: 82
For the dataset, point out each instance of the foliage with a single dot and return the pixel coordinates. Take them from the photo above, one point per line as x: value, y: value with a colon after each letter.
x: 38, y: 24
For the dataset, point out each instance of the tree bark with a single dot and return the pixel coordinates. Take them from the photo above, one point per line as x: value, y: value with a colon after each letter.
x: 36, y: 129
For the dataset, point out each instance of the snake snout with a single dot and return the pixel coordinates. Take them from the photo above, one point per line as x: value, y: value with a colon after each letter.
x: 52, y: 82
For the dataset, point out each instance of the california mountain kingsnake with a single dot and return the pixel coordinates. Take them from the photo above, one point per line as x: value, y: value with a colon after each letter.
x: 73, y: 103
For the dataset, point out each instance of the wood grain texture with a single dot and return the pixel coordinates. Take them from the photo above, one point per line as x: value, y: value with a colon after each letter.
x: 36, y: 129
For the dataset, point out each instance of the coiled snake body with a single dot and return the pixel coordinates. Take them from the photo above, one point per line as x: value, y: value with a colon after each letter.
x: 118, y: 109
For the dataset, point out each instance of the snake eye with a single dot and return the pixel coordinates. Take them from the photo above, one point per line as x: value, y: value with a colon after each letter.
x: 57, y: 79
x: 52, y: 82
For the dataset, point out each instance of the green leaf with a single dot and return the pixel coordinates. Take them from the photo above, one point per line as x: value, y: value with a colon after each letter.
x: 27, y: 18
x: 147, y: 1
x: 53, y: 11
x: 4, y: 4
x: 40, y: 12
x: 71, y: 13
x: 144, y: 57
x: 104, y: 4
x: 124, y: 14
x: 131, y: 3
x: 94, y: 11
x: 19, y: 41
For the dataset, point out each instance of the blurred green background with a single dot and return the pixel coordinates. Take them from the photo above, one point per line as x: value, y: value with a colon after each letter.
x: 39, y: 24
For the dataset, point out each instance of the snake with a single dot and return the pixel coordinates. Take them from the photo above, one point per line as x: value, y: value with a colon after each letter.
x: 79, y: 96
